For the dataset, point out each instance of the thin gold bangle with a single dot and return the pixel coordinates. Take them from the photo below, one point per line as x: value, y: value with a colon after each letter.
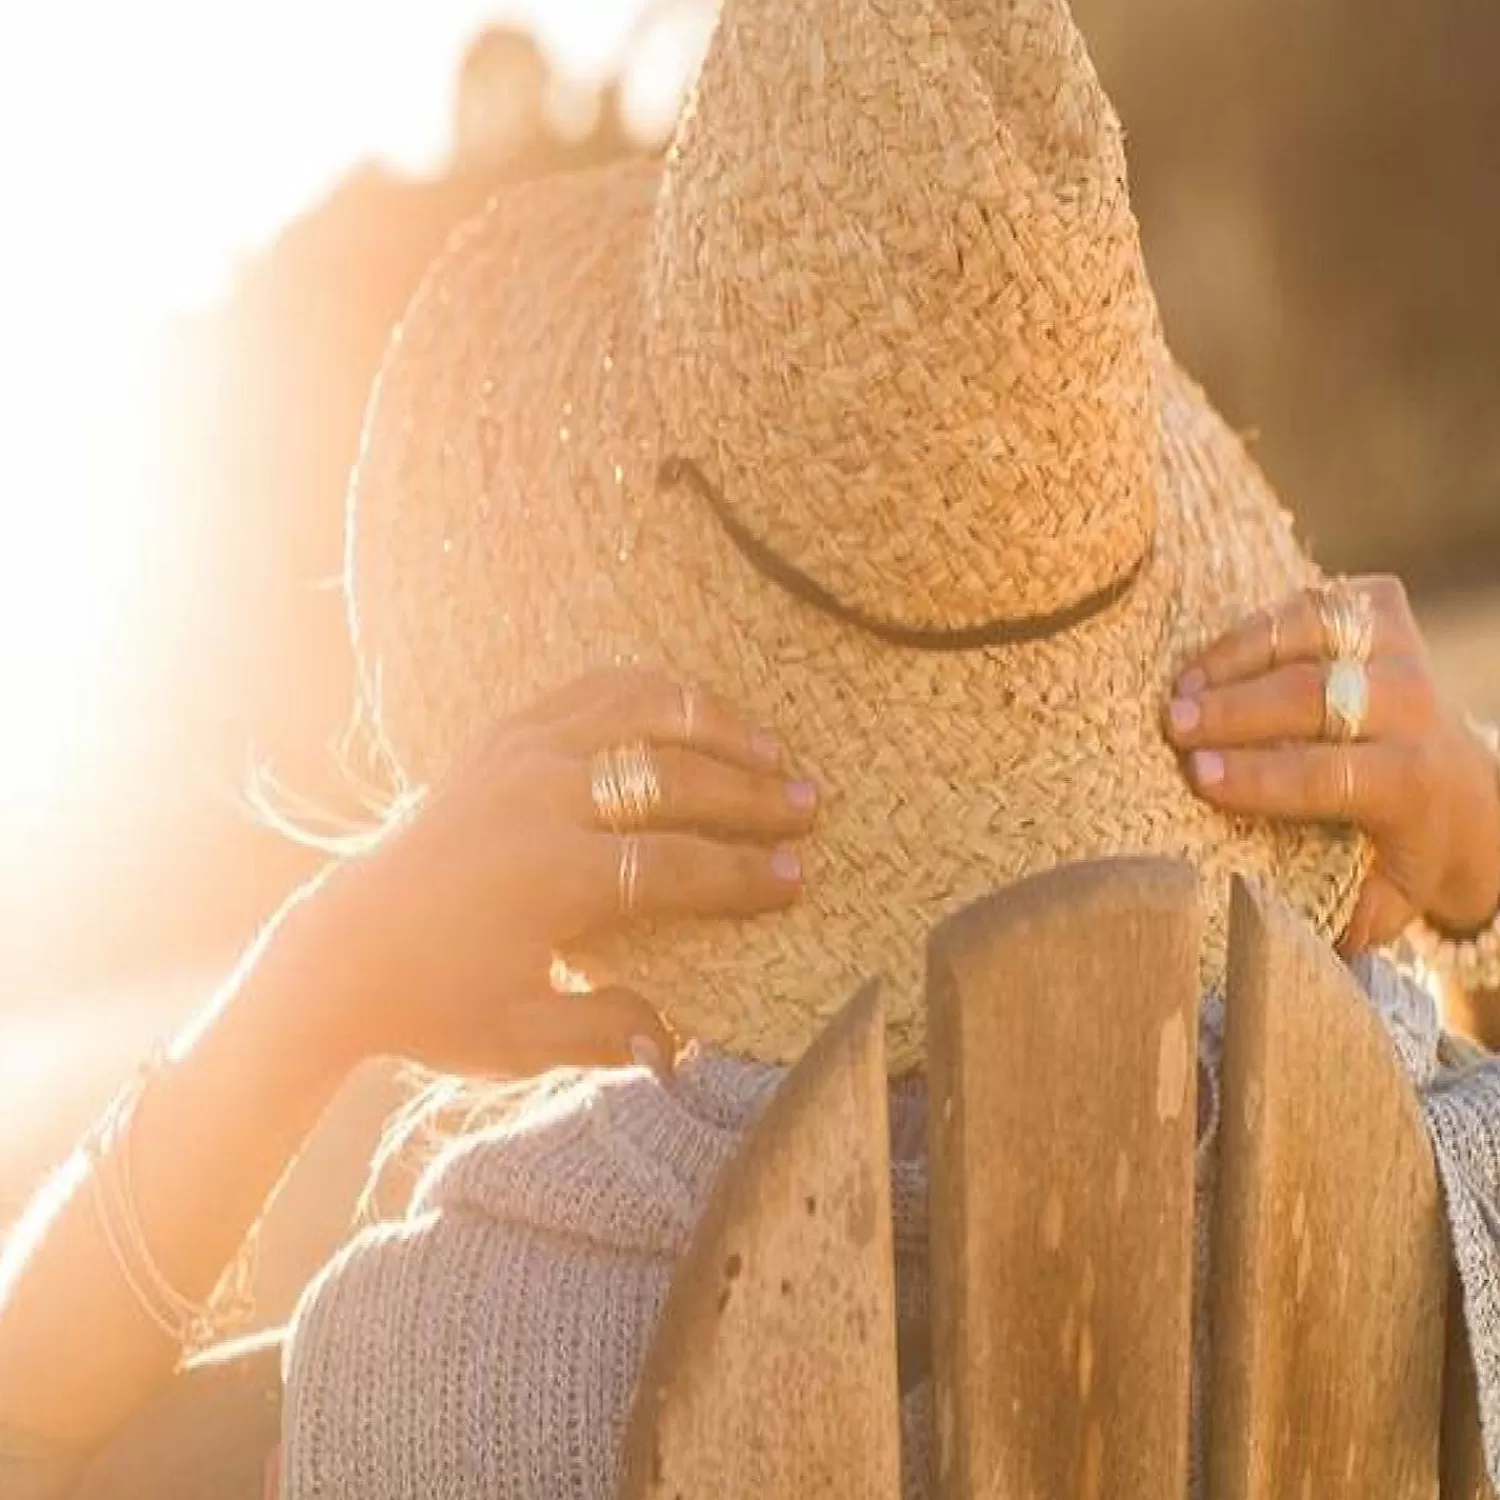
x: 185, y: 1323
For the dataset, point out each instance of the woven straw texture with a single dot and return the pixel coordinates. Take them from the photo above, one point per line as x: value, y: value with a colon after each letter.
x: 886, y: 295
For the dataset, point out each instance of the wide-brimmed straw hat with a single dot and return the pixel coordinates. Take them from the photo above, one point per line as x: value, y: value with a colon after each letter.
x: 857, y: 411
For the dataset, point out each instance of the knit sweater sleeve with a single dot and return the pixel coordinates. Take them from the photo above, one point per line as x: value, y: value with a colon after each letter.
x: 31, y: 1469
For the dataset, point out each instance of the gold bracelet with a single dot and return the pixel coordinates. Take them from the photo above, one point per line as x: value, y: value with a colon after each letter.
x: 192, y: 1326
x: 1471, y: 963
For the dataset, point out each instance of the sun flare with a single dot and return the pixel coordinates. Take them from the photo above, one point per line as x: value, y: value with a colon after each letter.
x: 151, y: 148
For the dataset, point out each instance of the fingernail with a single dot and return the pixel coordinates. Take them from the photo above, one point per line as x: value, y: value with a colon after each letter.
x: 1185, y: 715
x: 647, y: 1054
x: 802, y: 795
x: 785, y: 865
x: 1192, y: 682
x: 765, y: 747
x: 1208, y: 767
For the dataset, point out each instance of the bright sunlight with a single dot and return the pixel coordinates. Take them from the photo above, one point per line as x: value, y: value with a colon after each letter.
x: 148, y: 148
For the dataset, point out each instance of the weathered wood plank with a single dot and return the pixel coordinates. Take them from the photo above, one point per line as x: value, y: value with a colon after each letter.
x: 773, y: 1372
x: 1062, y: 1056
x: 1328, y: 1266
x: 1464, y: 1476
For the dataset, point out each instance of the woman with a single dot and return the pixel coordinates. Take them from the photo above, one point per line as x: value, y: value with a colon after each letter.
x: 854, y: 418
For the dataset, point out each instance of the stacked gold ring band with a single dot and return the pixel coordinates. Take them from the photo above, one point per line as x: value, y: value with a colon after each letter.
x: 625, y: 786
x: 1347, y: 616
x: 1346, y: 701
x: 629, y: 875
x: 1346, y: 782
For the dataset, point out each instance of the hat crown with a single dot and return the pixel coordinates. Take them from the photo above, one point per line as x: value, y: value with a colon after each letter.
x: 898, y: 313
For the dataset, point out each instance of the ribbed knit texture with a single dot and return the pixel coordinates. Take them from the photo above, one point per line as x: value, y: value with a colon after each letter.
x: 487, y: 1347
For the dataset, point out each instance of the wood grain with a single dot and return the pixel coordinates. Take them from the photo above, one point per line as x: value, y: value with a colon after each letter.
x: 1464, y: 1474
x: 1062, y: 1024
x: 1329, y: 1272
x: 773, y: 1372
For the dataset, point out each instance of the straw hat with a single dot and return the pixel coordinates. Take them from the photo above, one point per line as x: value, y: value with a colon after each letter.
x: 856, y: 410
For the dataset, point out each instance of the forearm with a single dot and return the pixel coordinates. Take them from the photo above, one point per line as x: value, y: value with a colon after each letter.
x: 1473, y: 998
x: 212, y: 1135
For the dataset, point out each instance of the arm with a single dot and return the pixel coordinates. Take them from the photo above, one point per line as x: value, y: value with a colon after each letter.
x: 1475, y: 1010
x: 435, y: 945
x: 210, y: 1139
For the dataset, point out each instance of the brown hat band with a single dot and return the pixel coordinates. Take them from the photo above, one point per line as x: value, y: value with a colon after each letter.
x: 675, y: 470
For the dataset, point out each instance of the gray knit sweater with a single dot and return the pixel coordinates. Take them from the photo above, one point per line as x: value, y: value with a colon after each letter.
x: 486, y: 1347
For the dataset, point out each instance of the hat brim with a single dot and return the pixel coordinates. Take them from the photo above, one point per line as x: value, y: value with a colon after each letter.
x: 508, y: 533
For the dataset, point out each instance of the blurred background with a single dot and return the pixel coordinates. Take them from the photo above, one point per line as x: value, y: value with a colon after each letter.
x: 215, y: 212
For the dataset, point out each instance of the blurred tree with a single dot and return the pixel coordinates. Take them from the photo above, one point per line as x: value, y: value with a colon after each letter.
x: 499, y: 101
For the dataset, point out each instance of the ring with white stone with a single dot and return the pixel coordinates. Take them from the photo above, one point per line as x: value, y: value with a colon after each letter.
x: 1346, y: 700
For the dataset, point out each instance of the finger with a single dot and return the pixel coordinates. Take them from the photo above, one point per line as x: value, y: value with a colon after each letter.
x: 649, y: 707
x: 677, y: 875
x: 602, y: 1028
x: 575, y: 695
x: 701, y: 794
x: 1381, y: 915
x: 1288, y: 704
x: 1362, y: 784
x: 1293, y: 631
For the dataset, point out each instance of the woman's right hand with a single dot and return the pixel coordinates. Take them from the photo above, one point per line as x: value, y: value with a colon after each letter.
x: 453, y: 919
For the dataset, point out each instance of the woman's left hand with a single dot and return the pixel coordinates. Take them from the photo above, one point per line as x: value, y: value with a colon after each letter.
x: 1249, y: 717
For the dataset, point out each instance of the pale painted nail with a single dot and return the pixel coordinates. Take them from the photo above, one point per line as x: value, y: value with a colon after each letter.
x: 1185, y: 715
x: 802, y: 795
x: 1208, y: 767
x: 765, y: 747
x: 647, y: 1054
x: 1192, y: 682
x: 785, y: 865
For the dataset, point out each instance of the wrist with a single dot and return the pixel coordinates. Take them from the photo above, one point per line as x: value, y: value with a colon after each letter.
x: 1463, y: 931
x: 1473, y: 902
x: 322, y: 939
x: 1470, y: 898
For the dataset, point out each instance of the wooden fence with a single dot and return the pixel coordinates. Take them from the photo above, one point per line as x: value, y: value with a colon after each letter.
x: 1063, y: 1118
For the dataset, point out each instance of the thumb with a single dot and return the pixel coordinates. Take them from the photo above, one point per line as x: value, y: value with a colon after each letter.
x: 600, y: 1028
x: 1381, y: 915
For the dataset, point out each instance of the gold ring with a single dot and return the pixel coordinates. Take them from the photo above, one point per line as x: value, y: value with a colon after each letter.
x: 604, y: 790
x: 1346, y: 700
x: 629, y: 873
x: 689, y: 712
x: 1346, y: 781
x: 1348, y: 618
x: 625, y: 786
x: 1274, y: 615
